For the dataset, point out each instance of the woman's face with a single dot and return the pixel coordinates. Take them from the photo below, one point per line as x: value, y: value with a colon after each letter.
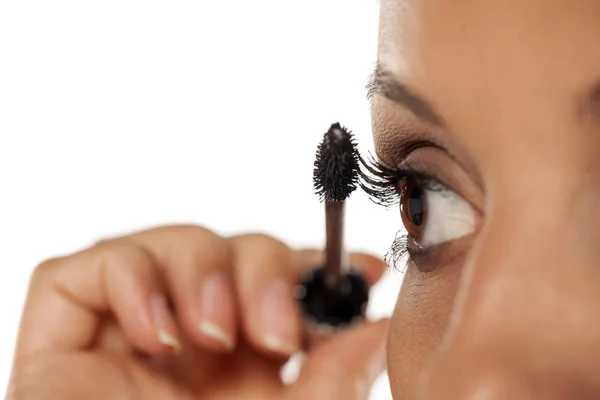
x: 493, y: 108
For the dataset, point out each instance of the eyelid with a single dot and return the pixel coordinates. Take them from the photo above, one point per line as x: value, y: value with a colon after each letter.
x: 398, y: 134
x: 428, y: 163
x: 397, y: 152
x: 425, y: 179
x: 437, y: 164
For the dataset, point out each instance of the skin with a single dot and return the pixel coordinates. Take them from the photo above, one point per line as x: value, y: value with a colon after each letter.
x: 508, y: 118
x: 92, y: 327
x: 511, y: 310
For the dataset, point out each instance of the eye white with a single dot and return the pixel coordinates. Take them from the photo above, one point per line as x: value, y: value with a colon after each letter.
x: 449, y: 217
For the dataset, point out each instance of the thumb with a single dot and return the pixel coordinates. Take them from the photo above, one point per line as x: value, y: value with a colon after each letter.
x: 345, y: 366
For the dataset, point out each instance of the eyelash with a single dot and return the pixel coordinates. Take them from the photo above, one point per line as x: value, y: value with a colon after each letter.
x: 398, y: 252
x: 381, y: 182
x: 381, y: 185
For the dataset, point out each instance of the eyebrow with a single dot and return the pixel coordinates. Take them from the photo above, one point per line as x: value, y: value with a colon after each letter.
x: 383, y: 82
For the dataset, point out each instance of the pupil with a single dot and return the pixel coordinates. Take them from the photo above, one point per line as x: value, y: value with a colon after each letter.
x: 416, y: 206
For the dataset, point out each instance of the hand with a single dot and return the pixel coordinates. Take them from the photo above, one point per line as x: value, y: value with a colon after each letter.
x: 181, y: 313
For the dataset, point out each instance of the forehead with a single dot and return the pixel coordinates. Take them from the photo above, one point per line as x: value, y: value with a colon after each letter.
x: 554, y: 43
x: 489, y: 58
x: 555, y: 30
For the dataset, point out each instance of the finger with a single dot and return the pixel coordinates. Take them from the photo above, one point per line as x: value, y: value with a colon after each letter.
x: 265, y: 276
x: 371, y: 267
x: 344, y: 367
x: 67, y: 296
x: 89, y: 376
x: 110, y: 338
x: 197, y: 268
x: 69, y: 376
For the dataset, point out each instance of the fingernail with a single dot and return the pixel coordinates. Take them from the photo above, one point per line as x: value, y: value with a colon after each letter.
x: 217, y: 334
x: 280, y: 321
x: 216, y: 308
x: 278, y: 344
x: 163, y: 322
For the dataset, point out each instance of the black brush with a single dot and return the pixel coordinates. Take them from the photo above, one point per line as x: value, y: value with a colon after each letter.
x: 335, y: 295
x: 335, y: 177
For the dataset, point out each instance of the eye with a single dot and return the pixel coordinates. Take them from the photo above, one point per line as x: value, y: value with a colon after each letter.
x: 433, y: 214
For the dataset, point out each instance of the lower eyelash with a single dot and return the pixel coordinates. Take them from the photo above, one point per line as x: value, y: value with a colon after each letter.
x: 381, y: 185
x: 398, y: 254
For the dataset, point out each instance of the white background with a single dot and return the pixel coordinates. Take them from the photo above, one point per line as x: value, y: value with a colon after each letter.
x: 120, y: 115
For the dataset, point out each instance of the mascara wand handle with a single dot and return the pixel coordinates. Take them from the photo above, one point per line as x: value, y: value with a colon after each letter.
x: 334, y: 245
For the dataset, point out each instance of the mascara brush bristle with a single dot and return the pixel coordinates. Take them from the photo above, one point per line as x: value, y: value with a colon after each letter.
x: 337, y: 166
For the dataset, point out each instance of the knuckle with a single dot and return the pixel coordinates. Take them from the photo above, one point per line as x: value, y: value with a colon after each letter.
x: 193, y: 246
x: 263, y: 242
x: 189, y: 245
x: 194, y: 235
x: 124, y: 259
x: 46, y: 269
x: 125, y: 255
x: 203, y: 246
x: 262, y: 250
x: 256, y: 252
x: 185, y: 232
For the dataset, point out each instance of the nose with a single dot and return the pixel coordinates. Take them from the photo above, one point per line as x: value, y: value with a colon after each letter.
x: 526, y: 320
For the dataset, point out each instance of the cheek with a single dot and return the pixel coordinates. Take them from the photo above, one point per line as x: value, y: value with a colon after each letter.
x: 418, y: 325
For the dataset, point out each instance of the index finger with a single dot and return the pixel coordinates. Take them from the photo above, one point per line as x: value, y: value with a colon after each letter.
x: 68, y: 295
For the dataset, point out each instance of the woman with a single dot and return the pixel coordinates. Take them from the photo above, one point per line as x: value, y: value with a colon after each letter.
x: 490, y: 113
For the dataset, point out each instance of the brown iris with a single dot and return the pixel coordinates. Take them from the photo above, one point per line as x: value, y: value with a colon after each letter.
x: 413, y: 207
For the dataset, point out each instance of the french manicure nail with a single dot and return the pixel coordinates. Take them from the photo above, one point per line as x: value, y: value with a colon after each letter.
x: 216, y: 308
x: 169, y: 340
x: 280, y: 323
x: 163, y: 324
x: 217, y: 334
x: 278, y: 345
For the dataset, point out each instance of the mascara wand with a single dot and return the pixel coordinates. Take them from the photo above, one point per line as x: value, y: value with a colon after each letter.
x: 335, y: 177
x: 334, y: 295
